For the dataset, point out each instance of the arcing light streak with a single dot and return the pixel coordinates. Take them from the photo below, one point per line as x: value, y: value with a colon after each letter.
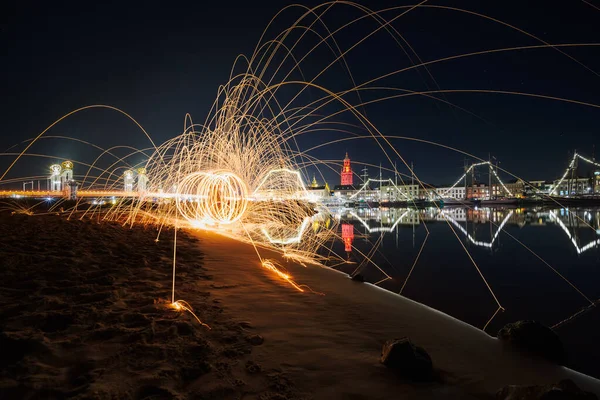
x: 289, y: 240
x: 301, y: 189
x: 274, y: 266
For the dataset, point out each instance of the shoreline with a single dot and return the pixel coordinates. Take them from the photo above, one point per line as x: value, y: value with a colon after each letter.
x: 472, y: 362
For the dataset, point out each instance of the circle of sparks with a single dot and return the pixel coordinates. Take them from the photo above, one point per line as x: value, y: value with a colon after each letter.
x: 212, y: 197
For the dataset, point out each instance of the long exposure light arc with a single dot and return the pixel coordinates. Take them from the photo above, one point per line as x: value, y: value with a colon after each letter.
x: 68, y: 115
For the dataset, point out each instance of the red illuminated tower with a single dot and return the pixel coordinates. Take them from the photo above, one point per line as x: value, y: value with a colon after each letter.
x: 348, y: 236
x: 347, y: 172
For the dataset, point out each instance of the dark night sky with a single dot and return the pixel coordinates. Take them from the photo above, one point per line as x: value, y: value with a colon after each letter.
x: 160, y: 60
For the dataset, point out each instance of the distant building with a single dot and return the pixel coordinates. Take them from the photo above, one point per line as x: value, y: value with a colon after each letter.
x: 478, y: 191
x: 344, y: 191
x: 536, y: 187
x: 60, y: 176
x: 54, y: 179
x: 391, y: 192
x: 128, y: 179
x: 318, y: 192
x: 575, y: 186
x: 449, y: 192
x: 142, y: 180
x: 516, y: 187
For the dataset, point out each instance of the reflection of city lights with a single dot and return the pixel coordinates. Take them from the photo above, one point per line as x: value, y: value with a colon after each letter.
x: 579, y: 250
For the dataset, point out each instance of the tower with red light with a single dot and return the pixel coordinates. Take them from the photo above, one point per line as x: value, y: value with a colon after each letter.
x: 347, y: 172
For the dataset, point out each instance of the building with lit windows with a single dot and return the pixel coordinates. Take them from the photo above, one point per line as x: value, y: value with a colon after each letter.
x: 456, y: 192
x: 318, y: 192
x: 574, y: 186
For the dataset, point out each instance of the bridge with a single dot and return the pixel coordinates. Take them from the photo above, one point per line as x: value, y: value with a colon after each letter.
x: 80, y: 193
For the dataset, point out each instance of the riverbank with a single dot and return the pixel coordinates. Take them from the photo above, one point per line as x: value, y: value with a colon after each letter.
x: 85, y: 313
x: 330, y: 344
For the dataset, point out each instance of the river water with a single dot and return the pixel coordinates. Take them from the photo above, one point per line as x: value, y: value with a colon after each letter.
x: 541, y: 264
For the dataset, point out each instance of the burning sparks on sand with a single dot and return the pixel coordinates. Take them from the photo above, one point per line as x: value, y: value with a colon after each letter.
x: 274, y: 266
x: 181, y: 305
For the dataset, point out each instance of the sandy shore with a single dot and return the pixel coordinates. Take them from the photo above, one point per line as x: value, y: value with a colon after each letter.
x: 330, y: 345
x: 84, y: 313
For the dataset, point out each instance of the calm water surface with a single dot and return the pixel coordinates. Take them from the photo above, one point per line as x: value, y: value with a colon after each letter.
x: 521, y: 252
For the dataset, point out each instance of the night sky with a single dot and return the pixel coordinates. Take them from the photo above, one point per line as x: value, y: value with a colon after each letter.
x: 160, y: 60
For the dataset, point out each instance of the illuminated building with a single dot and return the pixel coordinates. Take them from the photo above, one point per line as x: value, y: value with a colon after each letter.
x: 449, y: 192
x: 572, y: 186
x: 142, y: 180
x: 346, y: 172
x: 478, y: 191
x: 128, y: 181
x: 66, y: 175
x: 317, y: 192
x: 345, y: 188
x: 54, y: 178
x: 348, y: 236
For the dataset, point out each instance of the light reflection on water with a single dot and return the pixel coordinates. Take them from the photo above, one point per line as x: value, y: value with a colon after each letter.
x: 541, y: 264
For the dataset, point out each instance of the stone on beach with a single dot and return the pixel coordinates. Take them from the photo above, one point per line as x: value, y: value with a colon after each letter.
x: 255, y: 340
x: 535, y: 338
x: 410, y: 360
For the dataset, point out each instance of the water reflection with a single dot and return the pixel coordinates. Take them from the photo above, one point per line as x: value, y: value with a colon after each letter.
x: 581, y: 226
x: 539, y: 263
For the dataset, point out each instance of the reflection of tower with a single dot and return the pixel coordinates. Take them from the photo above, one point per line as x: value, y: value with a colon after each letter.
x: 348, y: 236
x: 128, y: 180
x: 55, y: 177
x: 66, y: 175
x: 347, y: 172
x: 142, y: 180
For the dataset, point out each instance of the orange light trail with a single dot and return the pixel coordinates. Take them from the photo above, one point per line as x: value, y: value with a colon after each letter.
x: 273, y: 266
